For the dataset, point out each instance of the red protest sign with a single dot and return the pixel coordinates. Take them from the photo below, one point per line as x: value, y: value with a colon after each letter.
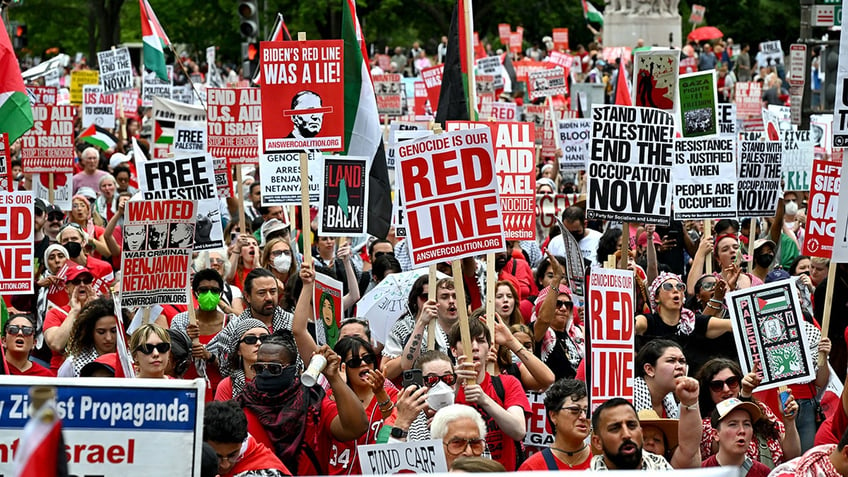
x: 515, y: 160
x: 515, y: 42
x: 611, y: 334
x: 302, y: 83
x: 479, y: 49
x: 42, y: 95
x: 560, y: 37
x: 821, y: 210
x: 525, y: 67
x: 560, y: 59
x: 420, y: 105
x: 17, y: 235
x: 233, y: 118
x: 49, y: 145
x: 450, y: 194
x: 504, y: 30
x: 433, y: 82
x: 127, y: 104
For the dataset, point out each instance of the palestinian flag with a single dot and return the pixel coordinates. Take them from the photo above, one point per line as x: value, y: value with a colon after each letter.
x: 591, y: 14
x: 15, y: 109
x: 97, y: 136
x: 280, y: 32
x: 363, y: 133
x: 458, y: 88
x: 155, y: 40
x: 771, y: 301
x: 41, y: 450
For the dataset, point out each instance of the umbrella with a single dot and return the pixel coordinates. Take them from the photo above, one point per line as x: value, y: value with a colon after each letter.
x: 387, y: 301
x: 705, y: 33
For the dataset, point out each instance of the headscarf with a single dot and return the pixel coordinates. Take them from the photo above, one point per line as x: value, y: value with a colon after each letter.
x: 687, y: 317
x: 549, y: 340
x: 53, y: 248
x: 546, y: 181
x: 237, y: 377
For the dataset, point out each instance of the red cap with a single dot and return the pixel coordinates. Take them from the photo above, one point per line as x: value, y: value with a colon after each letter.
x: 75, y: 271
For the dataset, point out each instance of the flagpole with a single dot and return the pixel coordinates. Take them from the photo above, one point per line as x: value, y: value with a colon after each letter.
x: 187, y: 75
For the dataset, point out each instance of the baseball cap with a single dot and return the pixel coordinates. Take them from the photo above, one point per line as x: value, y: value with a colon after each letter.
x: 776, y: 275
x: 760, y: 242
x: 643, y: 239
x: 270, y: 227
x: 74, y: 272
x: 117, y: 159
x: 108, y: 362
x: 727, y: 406
x: 40, y: 205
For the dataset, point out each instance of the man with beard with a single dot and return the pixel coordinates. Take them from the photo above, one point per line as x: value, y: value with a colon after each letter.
x: 618, y: 434
x: 574, y: 219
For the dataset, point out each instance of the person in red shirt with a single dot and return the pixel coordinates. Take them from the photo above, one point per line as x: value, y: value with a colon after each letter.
x: 60, y: 321
x: 733, y: 421
x: 18, y: 341
x: 74, y: 239
x: 567, y: 407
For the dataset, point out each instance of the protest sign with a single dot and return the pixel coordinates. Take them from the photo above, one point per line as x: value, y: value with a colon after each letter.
x: 80, y: 78
x: 279, y: 174
x: 450, y: 195
x: 152, y: 86
x: 233, y: 118
x: 655, y: 75
x: 560, y: 59
x: 560, y: 39
x: 5, y: 165
x: 523, y: 68
x: 41, y: 95
x: 515, y: 42
x: 116, y: 73
x: 771, y: 125
x: 770, y: 54
x: 629, y: 166
x: 491, y: 65
x: 547, y: 82
x: 820, y: 131
x: 538, y: 429
x: 504, y: 111
x: 610, y: 336
x: 97, y: 108
x: 823, y: 200
x: 726, y: 120
x: 704, y: 178
x: 504, y: 29
x: 698, y: 100
x: 190, y: 138
x: 611, y: 54
x: 759, y: 176
x: 749, y: 103
x: 127, y: 104
x: 514, y: 147
x: 183, y: 94
x: 403, y: 131
x: 840, y: 238
x: 797, y: 160
x: 17, y: 235
x: 417, y: 457
x: 304, y: 95
x: 49, y: 145
x: 590, y: 94
x: 420, y: 99
x: 540, y: 116
x: 688, y: 65
x: 165, y: 115
x: 158, y: 243
x: 344, y: 197
x: 575, y: 135
x: 433, y: 82
x: 388, y: 89
x: 113, y: 427
x: 697, y: 15
x: 63, y: 188
x: 768, y: 329
x: 551, y: 206
x: 327, y: 303
x: 485, y: 87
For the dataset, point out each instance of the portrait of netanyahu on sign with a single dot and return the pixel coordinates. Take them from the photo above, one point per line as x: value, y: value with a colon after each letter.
x: 308, y: 123
x: 134, y: 236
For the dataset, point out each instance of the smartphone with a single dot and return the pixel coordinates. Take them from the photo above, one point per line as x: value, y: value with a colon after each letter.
x: 413, y: 376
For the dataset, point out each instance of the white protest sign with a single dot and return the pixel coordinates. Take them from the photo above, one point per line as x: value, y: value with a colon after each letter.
x: 538, y: 431
x: 840, y: 239
x: 770, y: 54
x: 840, y: 105
x: 797, y: 160
x: 547, y: 82
x: 189, y: 137
x: 152, y: 86
x: 97, y: 108
x: 166, y: 113
x: 418, y: 457
x: 279, y: 174
x: 575, y: 135
x: 504, y: 111
x: 394, y: 138
x: 491, y: 65
x: 113, y: 427
x: 115, y: 70
x: 183, y: 94
x: 759, y: 171
x: 704, y: 178
x: 726, y: 120
x: 63, y: 188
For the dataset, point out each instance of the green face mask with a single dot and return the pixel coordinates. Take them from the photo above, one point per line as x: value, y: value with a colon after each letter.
x: 208, y: 301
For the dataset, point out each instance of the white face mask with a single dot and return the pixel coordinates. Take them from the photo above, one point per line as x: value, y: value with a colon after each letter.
x: 282, y: 263
x: 439, y: 396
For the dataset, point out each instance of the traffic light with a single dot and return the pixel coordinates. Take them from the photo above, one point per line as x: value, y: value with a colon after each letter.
x: 19, y: 36
x: 830, y: 63
x: 250, y: 58
x: 248, y: 19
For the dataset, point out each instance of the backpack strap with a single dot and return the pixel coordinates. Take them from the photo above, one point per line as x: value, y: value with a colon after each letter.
x: 550, y: 461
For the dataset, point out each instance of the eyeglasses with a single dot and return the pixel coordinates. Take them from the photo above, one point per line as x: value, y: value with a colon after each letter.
x: 277, y: 253
x: 457, y: 445
x: 148, y: 348
x: 208, y: 289
x: 575, y: 410
x: 25, y: 330
x: 357, y: 361
x: 708, y: 285
x: 718, y: 385
x: 564, y: 303
x: 433, y: 379
x: 55, y: 217
x: 274, y: 369
x: 78, y: 281
x: 668, y: 286
x: 380, y: 254
x: 253, y: 339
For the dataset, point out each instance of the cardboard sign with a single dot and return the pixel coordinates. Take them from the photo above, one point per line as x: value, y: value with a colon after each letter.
x: 759, y: 176
x: 97, y: 108
x: 704, y: 178
x: 344, y: 197
x: 433, y: 82
x: 115, y: 70
x: 166, y: 113
x: 6, y: 184
x: 749, y: 104
x: 560, y: 38
x: 504, y: 111
x: 515, y: 165
x: 49, y: 145
x: 158, y: 243
x: 630, y: 164
x: 491, y: 65
x: 575, y: 136
x: 17, y: 235
x: 327, y: 303
x: 610, y: 335
x: 418, y: 457
x: 727, y: 120
x: 698, y: 100
x: 389, y: 91
x: 80, y: 78
x: 41, y: 95
x: 768, y: 329
x: 63, y: 188
x: 655, y: 75
x: 450, y: 194
x: 797, y: 160
x: 538, y: 430
x: 152, y: 86
x: 279, y: 174
x: 233, y: 119
x: 304, y: 95
x: 822, y: 203
x: 549, y: 82
x: 113, y: 427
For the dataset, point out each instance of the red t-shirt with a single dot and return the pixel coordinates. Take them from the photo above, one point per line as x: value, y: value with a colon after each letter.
x: 757, y: 470
x: 55, y: 317
x: 343, y: 459
x: 257, y: 457
x: 831, y: 430
x: 501, y: 446
x: 34, y: 370
x: 536, y: 462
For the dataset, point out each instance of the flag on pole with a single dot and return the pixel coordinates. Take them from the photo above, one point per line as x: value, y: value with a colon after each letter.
x: 591, y: 14
x: 97, y: 136
x: 41, y: 449
x: 363, y: 133
x: 279, y: 33
x: 622, y: 89
x: 15, y: 109
x: 155, y: 40
x: 458, y: 88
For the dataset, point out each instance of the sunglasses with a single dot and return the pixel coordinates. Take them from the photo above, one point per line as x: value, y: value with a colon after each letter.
x: 432, y: 379
x: 25, y: 330
x: 731, y: 382
x: 253, y: 339
x: 55, y: 217
x: 564, y: 303
x: 208, y: 289
x: 274, y: 369
x: 80, y: 281
x: 148, y: 348
x: 357, y: 361
x: 668, y: 286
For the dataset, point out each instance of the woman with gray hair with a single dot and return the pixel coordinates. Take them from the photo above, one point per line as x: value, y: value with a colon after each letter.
x: 216, y: 259
x: 462, y: 431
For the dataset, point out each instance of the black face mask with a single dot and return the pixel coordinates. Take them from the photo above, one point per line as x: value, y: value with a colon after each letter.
x: 762, y: 260
x: 74, y: 249
x: 268, y: 383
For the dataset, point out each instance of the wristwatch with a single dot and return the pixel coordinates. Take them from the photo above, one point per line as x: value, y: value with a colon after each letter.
x: 399, y: 433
